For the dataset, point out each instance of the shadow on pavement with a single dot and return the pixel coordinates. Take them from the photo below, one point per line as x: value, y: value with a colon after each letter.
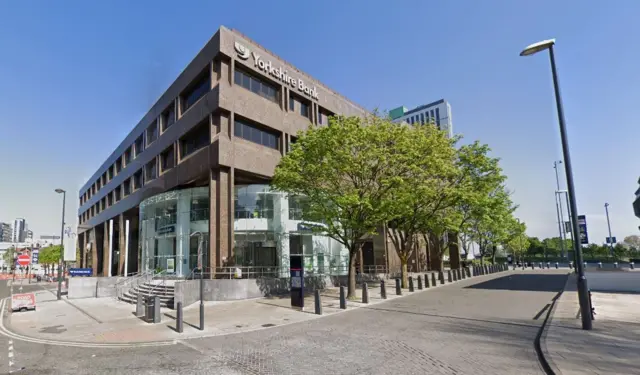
x: 526, y: 282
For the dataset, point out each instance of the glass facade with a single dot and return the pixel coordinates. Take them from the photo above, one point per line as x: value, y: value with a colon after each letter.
x: 167, y: 221
x: 268, y: 229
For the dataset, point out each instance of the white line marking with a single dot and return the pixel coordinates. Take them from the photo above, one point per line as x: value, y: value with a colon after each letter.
x: 10, y: 354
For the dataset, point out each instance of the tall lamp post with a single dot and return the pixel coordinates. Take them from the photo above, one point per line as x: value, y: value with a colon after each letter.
x: 583, y: 290
x: 559, y: 210
x: 64, y: 198
x: 606, y: 209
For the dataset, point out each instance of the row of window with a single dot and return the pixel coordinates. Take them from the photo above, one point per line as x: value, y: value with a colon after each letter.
x: 187, y: 99
x: 425, y: 117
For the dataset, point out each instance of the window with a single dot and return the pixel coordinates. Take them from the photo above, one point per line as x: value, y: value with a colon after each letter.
x: 256, y: 85
x: 195, y: 139
x: 98, y: 185
x: 422, y: 118
x: 197, y: 91
x: 127, y: 157
x: 292, y: 104
x: 110, y: 199
x: 323, y: 116
x: 97, y: 208
x: 103, y: 203
x: 110, y: 173
x: 104, y: 178
x: 117, y: 193
x: 139, y: 145
x: 150, y: 170
x: 438, y: 117
x: 126, y: 187
x: 137, y: 180
x: 152, y: 133
x: 251, y: 133
x: 118, y: 165
x: 304, y: 109
x: 167, y: 159
x: 168, y: 117
x: 93, y: 211
x: 432, y: 115
x: 292, y: 140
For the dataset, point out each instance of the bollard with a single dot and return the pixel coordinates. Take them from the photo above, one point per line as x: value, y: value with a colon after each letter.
x: 540, y: 265
x: 459, y: 272
x: 318, y: 302
x: 585, y: 264
x: 454, y: 275
x: 179, y: 328
x: 463, y: 273
x: 556, y: 265
x: 411, y: 283
x: 449, y: 277
x: 419, y: 282
x: 615, y: 264
x: 441, y: 277
x: 139, y: 306
x: 156, y: 309
x: 469, y: 272
x: 383, y: 290
x: 632, y: 265
x: 433, y: 279
x: 570, y: 264
x: 398, y: 290
x: 343, y: 299
x: 514, y: 266
x: 599, y: 264
x: 365, y: 293
x: 548, y: 265
x: 426, y: 281
x: 533, y: 266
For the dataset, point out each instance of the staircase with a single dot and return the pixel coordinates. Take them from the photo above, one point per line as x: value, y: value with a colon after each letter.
x: 161, y: 288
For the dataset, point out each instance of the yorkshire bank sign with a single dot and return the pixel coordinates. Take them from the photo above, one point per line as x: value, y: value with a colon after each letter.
x: 279, y: 73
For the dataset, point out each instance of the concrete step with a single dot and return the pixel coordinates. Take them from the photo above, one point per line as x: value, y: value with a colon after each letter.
x: 155, y: 287
x: 133, y: 299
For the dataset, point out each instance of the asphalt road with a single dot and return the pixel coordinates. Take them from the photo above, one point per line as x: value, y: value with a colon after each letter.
x: 485, y: 324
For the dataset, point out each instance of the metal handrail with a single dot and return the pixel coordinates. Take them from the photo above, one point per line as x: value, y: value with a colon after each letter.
x: 163, y: 283
x: 123, y: 286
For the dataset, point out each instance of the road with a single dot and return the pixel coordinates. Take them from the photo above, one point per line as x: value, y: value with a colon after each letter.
x: 485, y: 324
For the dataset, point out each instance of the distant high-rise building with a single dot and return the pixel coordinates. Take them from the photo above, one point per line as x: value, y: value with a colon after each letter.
x: 6, y: 233
x: 28, y: 234
x: 438, y: 112
x: 19, y: 227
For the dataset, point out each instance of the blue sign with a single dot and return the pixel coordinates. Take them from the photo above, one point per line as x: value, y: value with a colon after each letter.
x: 80, y: 271
x: 582, y: 227
x: 34, y: 256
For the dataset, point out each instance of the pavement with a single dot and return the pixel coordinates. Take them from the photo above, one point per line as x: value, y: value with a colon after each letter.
x: 486, y: 323
x: 611, y: 347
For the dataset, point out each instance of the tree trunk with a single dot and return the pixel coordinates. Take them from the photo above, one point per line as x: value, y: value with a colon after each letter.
x: 351, y: 287
x: 403, y: 273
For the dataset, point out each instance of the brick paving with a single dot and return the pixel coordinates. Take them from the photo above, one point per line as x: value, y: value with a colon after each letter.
x: 612, y: 347
x: 486, y: 324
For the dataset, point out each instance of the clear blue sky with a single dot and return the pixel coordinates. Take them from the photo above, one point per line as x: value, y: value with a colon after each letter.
x: 75, y: 79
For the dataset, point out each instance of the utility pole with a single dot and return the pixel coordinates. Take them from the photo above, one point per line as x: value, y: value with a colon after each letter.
x: 606, y: 209
x: 563, y: 236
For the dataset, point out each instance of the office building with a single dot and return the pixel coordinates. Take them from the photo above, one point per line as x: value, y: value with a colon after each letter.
x: 6, y: 232
x: 19, y: 227
x: 438, y: 112
x: 200, y: 161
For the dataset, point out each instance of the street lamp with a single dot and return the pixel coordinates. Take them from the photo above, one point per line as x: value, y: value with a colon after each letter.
x: 583, y: 290
x: 606, y: 209
x: 559, y: 210
x: 64, y: 197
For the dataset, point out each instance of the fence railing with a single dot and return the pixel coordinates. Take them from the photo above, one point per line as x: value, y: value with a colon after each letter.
x: 125, y: 285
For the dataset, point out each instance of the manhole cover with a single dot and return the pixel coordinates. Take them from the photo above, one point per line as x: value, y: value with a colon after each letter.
x: 269, y: 325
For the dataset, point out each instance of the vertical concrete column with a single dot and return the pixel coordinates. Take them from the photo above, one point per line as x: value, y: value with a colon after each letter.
x: 82, y: 243
x: 221, y: 217
x: 280, y: 217
x: 183, y: 229
x: 94, y: 251
x: 105, y: 250
x: 121, y: 245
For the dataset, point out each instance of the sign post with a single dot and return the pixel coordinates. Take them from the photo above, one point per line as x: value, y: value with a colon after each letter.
x: 582, y: 226
x: 296, y: 268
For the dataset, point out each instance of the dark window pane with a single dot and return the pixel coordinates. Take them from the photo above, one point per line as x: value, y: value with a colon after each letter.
x: 198, y: 91
x: 438, y: 116
x: 254, y: 134
x: 304, y: 109
x: 292, y: 103
x: 246, y: 82
x: 237, y: 129
x: 237, y: 77
x: 255, y: 85
x: 422, y: 118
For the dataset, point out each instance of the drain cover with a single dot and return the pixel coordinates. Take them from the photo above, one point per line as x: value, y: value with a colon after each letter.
x: 269, y: 325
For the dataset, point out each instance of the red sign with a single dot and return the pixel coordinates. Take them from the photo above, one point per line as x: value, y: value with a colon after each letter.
x: 24, y: 260
x: 23, y: 301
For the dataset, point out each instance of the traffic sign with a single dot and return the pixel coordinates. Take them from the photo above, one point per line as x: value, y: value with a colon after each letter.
x: 24, y: 260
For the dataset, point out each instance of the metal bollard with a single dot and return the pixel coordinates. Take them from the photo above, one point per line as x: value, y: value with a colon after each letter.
x: 548, y: 266
x: 179, y: 327
x: 441, y: 277
x: 570, y: 264
x: 365, y: 293
x: 426, y: 281
x: 140, y: 306
x: 410, y: 283
x: 632, y: 265
x: 459, y: 272
x: 585, y: 264
x: 398, y: 290
x: 533, y: 266
x: 318, y: 302
x: 599, y: 264
x: 463, y: 273
x: 541, y: 265
x: 383, y: 290
x: 615, y: 264
x: 433, y: 279
x: 156, y: 309
x: 419, y: 282
x: 343, y: 299
x: 556, y: 265
x: 469, y: 272
x: 449, y: 277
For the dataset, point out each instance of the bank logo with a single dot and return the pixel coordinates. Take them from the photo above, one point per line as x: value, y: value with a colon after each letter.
x: 243, y: 52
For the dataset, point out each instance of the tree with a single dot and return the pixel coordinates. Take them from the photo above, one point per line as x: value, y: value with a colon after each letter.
x: 424, y: 160
x: 632, y: 242
x: 343, y: 170
x: 517, y: 241
x: 49, y: 256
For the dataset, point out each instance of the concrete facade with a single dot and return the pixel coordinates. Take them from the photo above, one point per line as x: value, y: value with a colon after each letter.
x: 115, y: 190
